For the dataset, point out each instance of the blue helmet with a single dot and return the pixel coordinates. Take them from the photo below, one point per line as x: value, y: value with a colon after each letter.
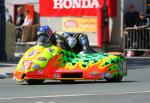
x: 44, y: 31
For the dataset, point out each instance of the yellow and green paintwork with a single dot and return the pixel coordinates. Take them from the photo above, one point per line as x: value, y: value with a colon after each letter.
x: 52, y: 59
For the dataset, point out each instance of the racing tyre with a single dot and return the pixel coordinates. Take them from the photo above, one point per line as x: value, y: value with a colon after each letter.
x: 35, y: 81
x: 68, y: 81
x: 115, y: 79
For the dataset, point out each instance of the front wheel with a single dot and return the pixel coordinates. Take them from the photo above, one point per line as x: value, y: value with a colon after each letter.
x: 115, y: 79
x: 35, y: 81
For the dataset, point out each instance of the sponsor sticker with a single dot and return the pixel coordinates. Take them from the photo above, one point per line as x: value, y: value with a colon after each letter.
x: 40, y: 71
x: 32, y: 53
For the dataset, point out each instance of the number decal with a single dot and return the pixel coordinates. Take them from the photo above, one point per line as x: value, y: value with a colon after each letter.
x: 27, y: 64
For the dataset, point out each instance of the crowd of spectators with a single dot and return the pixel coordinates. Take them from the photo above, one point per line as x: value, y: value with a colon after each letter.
x: 23, y: 18
x: 135, y: 20
x: 131, y: 16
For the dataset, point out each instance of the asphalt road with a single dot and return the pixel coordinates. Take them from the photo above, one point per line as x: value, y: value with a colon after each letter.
x: 135, y: 88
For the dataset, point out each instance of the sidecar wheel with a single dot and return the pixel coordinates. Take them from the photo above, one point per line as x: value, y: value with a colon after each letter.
x: 35, y: 81
x: 115, y: 79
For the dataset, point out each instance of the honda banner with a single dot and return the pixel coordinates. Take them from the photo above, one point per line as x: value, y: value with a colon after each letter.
x: 75, y: 7
x: 69, y: 7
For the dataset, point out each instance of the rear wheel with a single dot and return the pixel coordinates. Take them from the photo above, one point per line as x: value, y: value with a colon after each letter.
x: 117, y: 78
x: 35, y: 81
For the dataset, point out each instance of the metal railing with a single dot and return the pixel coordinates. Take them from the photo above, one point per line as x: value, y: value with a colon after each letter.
x: 138, y: 40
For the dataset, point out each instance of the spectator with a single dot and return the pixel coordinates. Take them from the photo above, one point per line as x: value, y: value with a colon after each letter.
x: 131, y: 17
x: 20, y: 16
x: 28, y: 19
x: 142, y: 22
x: 8, y: 16
x: 19, y: 22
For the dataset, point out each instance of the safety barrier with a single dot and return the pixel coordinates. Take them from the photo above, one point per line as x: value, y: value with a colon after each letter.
x: 137, y: 40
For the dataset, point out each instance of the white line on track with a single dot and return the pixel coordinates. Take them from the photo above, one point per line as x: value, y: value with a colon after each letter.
x: 75, y: 95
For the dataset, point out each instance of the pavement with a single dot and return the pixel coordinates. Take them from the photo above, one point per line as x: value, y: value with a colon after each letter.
x: 8, y: 67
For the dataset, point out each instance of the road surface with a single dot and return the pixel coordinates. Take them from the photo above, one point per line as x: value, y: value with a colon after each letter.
x: 135, y: 88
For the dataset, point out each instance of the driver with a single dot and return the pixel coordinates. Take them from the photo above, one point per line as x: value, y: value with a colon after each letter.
x: 76, y: 42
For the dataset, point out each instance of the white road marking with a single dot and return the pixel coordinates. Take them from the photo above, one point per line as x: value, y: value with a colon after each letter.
x: 51, y: 102
x: 43, y: 102
x: 75, y: 95
x: 39, y: 102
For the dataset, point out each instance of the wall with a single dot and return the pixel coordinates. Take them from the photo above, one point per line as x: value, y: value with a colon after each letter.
x: 138, y: 3
x: 10, y: 39
x: 116, y: 25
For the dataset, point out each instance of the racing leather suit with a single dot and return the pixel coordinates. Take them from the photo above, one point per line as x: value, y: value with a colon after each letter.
x: 77, y: 42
